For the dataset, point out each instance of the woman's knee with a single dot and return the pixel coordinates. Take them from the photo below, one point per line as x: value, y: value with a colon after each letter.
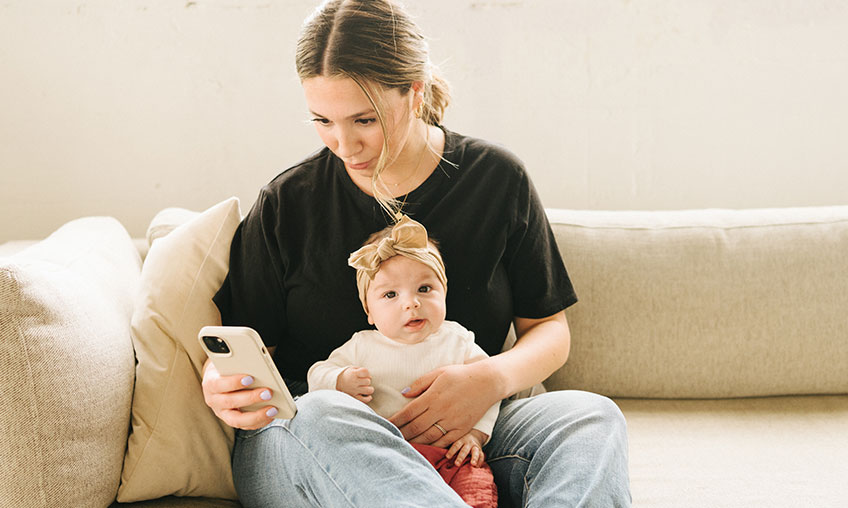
x: 329, y: 407
x: 577, y: 411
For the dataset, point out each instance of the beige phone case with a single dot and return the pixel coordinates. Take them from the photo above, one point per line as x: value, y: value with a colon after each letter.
x: 247, y: 355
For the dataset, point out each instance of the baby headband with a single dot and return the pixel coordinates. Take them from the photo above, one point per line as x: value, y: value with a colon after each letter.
x: 408, y: 238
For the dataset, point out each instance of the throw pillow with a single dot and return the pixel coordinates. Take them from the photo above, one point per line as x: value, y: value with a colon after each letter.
x: 177, y: 445
x: 66, y: 365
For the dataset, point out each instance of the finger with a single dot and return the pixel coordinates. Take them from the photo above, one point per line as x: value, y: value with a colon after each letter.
x: 362, y: 372
x: 242, y: 398
x: 445, y: 440
x: 215, y: 383
x: 477, y: 456
x: 248, y: 420
x: 421, y: 384
x: 406, y: 415
x: 455, y: 447
x: 433, y: 436
x: 364, y: 398
x: 365, y: 389
x: 463, y: 452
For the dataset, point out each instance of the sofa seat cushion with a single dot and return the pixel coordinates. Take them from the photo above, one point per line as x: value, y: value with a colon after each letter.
x: 66, y: 365
x: 738, y: 453
x: 180, y: 502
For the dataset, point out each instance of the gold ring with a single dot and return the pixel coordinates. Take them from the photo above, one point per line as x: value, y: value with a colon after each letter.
x: 440, y: 428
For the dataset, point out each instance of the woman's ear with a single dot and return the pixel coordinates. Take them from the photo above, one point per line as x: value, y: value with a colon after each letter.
x: 417, y: 93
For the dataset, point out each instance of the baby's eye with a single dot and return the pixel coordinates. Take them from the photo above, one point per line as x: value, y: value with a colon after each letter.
x: 390, y: 294
x: 425, y: 289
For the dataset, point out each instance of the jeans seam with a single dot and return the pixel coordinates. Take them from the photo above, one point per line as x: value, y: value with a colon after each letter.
x: 320, y: 466
x: 303, y: 445
x: 502, y: 457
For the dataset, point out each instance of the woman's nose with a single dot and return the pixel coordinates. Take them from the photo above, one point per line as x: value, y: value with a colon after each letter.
x: 348, y: 144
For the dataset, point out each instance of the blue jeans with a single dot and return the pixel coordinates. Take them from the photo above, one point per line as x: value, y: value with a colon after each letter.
x: 556, y: 449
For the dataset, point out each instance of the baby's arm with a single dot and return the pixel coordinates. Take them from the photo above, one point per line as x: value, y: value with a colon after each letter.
x: 340, y: 372
x: 472, y: 443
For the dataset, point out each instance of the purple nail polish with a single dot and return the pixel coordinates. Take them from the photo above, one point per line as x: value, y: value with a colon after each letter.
x: 405, y: 390
x: 265, y: 395
x: 272, y: 412
x: 247, y: 380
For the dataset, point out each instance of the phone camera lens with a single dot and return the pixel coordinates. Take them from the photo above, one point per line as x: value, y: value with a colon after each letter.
x: 216, y: 345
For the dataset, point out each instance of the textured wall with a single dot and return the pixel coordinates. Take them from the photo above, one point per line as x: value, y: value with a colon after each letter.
x: 123, y: 108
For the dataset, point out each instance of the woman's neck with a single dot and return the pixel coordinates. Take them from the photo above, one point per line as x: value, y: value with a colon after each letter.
x: 412, y: 167
x: 416, y: 163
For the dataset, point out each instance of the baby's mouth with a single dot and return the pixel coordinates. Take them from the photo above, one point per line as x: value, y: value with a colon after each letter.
x: 415, y: 323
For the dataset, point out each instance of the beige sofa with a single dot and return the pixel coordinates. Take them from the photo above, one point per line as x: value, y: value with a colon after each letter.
x: 723, y: 336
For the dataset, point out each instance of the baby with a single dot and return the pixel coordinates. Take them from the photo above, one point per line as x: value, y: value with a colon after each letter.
x: 402, y: 286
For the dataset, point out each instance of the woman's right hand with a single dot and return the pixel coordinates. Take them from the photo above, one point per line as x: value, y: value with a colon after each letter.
x: 226, y: 394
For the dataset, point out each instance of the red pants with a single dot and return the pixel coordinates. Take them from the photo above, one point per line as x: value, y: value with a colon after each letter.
x: 474, y: 484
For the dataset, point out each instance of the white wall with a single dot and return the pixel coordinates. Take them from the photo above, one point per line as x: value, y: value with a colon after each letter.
x: 126, y: 107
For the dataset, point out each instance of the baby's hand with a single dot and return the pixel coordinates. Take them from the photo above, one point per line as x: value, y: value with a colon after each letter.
x: 356, y: 382
x: 470, y: 443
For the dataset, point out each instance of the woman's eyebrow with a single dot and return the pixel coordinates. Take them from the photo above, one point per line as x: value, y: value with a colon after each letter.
x: 355, y: 115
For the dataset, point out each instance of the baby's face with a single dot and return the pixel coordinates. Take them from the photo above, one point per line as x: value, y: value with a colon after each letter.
x: 406, y: 300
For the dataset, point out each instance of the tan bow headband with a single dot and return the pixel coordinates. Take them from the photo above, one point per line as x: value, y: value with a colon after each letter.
x: 408, y: 238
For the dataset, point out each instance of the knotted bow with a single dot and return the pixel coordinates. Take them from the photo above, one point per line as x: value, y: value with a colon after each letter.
x: 408, y: 238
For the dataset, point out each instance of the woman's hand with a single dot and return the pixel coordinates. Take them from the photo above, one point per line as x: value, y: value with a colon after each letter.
x: 226, y: 394
x: 454, y: 397
x: 356, y: 382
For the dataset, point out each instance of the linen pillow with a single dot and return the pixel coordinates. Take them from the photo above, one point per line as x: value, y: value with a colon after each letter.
x: 177, y: 445
x: 66, y: 365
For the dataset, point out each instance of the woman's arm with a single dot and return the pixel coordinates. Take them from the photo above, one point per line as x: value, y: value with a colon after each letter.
x: 457, y: 396
x: 542, y: 348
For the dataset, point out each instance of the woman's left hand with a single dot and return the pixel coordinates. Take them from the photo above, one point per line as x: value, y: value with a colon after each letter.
x: 454, y: 397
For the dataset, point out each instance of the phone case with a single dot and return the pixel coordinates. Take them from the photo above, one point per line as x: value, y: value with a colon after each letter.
x: 247, y: 355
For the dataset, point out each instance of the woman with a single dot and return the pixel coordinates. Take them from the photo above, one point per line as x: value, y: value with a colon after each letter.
x: 377, y: 107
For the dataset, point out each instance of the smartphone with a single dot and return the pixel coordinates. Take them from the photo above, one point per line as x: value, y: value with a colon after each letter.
x: 240, y: 350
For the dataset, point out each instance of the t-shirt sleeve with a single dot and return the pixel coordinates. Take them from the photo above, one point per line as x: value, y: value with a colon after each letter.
x: 252, y: 293
x: 540, y: 283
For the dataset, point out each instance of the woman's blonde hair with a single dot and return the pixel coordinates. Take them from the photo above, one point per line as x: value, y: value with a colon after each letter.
x: 378, y: 45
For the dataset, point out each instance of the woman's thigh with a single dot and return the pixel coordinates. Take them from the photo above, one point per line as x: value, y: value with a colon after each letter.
x: 562, y: 448
x: 335, y: 452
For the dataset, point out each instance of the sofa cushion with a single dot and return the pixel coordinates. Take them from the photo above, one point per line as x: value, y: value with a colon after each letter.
x: 706, y: 303
x: 177, y: 445
x: 779, y: 452
x: 66, y: 365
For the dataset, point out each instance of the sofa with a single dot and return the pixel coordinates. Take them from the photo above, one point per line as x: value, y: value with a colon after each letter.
x: 721, y: 334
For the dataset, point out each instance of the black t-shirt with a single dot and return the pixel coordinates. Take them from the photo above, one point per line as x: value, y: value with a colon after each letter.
x: 289, y: 278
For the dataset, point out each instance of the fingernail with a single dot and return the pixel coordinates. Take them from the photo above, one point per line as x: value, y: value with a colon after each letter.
x: 405, y: 390
x: 265, y: 395
x: 272, y: 412
x: 247, y: 380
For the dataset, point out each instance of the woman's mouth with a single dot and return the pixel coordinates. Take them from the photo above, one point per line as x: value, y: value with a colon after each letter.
x: 359, y: 166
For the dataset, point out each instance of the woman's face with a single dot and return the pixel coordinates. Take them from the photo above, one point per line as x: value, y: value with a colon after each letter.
x: 347, y: 122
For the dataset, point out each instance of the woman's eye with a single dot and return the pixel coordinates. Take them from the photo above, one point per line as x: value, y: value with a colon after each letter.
x: 322, y: 121
x: 390, y: 294
x: 365, y: 121
x: 424, y: 289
